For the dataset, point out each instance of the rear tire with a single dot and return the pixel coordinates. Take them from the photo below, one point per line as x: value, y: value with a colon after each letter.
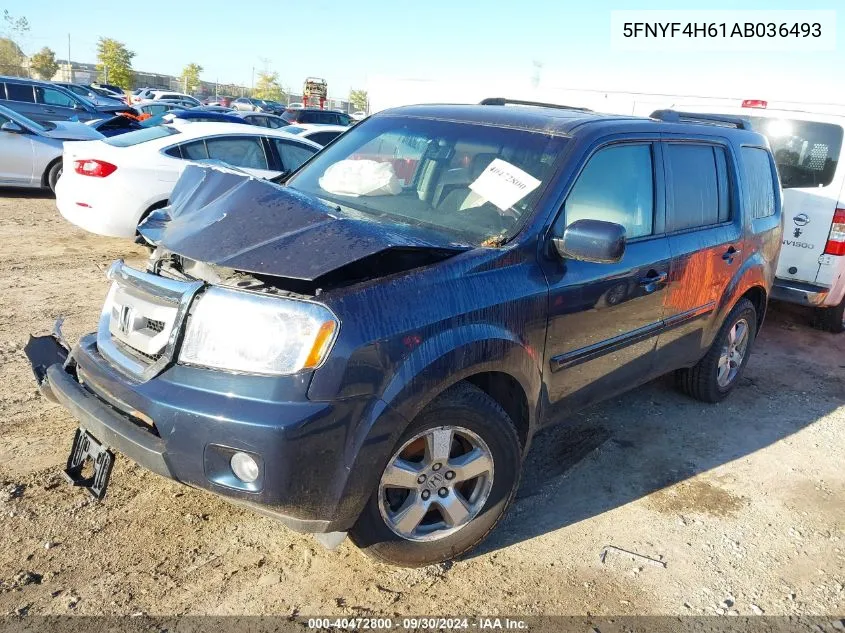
x: 831, y: 319
x: 716, y: 375
x: 464, y: 409
x: 53, y: 175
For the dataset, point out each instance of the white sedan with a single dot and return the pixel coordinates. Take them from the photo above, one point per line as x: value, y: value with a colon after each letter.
x: 109, y: 186
x: 322, y: 134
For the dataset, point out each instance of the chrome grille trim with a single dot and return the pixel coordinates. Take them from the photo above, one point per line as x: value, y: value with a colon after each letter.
x: 146, y: 290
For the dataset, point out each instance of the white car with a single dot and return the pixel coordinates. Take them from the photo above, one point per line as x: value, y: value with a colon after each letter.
x: 360, y: 115
x: 807, y: 147
x: 109, y: 186
x: 320, y: 134
x: 169, y: 95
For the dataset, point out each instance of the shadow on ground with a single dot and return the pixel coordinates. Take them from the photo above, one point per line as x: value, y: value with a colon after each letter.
x: 14, y: 192
x: 653, y: 437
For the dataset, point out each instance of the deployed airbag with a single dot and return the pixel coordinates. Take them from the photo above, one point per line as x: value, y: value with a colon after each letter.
x: 361, y: 178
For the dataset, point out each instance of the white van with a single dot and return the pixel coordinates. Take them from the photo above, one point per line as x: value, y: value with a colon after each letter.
x: 807, y: 146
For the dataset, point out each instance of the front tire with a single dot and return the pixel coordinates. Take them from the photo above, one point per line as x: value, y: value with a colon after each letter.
x: 53, y: 175
x: 831, y: 319
x: 447, y: 484
x: 716, y: 375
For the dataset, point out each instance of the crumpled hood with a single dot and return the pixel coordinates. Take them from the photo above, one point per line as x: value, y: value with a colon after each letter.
x: 72, y: 131
x: 224, y: 217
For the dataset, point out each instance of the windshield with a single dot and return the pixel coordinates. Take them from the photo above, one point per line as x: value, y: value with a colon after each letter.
x: 806, y: 152
x: 475, y: 182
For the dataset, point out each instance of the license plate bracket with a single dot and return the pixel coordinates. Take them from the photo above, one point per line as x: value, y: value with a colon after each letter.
x: 85, y: 447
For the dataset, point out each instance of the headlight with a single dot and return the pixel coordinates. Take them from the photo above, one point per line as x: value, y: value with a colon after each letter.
x: 257, y: 334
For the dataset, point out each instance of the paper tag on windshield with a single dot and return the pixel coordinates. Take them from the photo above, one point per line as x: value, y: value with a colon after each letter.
x: 504, y: 184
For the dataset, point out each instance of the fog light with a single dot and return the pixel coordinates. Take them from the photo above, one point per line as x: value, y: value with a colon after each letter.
x: 244, y: 467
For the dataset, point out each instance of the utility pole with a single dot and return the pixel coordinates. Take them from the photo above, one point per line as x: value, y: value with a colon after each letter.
x: 252, y: 90
x: 69, y: 64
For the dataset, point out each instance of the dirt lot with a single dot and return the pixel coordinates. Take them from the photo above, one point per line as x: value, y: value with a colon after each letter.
x: 744, y: 501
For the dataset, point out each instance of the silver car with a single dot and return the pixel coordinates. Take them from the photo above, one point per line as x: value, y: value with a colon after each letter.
x: 31, y: 153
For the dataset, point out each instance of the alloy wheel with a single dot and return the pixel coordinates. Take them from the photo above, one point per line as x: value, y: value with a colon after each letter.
x: 733, y: 353
x: 436, y: 483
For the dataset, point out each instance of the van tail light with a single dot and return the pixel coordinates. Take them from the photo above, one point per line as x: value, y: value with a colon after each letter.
x: 754, y: 103
x: 836, y: 239
x: 95, y: 168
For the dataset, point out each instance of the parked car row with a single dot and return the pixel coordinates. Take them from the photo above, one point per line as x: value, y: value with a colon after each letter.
x: 369, y: 346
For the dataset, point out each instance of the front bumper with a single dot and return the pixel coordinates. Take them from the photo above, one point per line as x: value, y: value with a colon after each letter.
x: 798, y: 292
x: 185, y: 422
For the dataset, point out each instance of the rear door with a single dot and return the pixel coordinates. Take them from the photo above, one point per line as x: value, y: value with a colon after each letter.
x: 807, y: 154
x: 21, y: 98
x: 705, y: 231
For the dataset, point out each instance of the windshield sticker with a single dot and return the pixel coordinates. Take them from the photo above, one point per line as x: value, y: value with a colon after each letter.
x: 504, y: 184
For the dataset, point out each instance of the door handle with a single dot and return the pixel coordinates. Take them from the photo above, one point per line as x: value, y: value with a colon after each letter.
x: 729, y: 254
x: 654, y: 278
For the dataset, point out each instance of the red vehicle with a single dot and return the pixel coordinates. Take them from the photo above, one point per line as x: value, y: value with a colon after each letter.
x: 226, y: 102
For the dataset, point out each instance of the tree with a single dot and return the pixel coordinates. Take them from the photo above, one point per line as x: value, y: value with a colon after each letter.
x: 114, y: 62
x: 14, y: 26
x: 11, y: 55
x: 359, y: 99
x: 44, y: 63
x: 268, y: 87
x: 11, y: 58
x: 191, y: 77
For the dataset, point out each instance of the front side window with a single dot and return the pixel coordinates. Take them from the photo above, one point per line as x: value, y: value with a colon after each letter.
x: 50, y: 96
x: 806, y: 152
x: 239, y: 151
x: 616, y: 185
x: 696, y: 185
x: 396, y: 169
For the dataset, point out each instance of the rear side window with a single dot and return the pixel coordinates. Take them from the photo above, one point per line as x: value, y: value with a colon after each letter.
x: 19, y: 92
x: 806, y: 152
x: 240, y: 151
x: 759, y: 193
x: 697, y: 186
x: 141, y: 136
x: 291, y: 154
x: 194, y: 151
x: 617, y: 185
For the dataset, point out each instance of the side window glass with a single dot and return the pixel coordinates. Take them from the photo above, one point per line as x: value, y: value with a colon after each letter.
x: 292, y: 154
x: 617, y: 185
x: 759, y: 193
x: 48, y: 96
x: 194, y: 151
x: 19, y: 92
x: 697, y: 184
x: 175, y: 151
x: 243, y: 151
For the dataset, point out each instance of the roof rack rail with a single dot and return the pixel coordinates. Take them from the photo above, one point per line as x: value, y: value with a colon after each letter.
x: 500, y: 101
x: 724, y: 120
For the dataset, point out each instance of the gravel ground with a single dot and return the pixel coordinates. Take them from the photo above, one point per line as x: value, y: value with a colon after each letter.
x: 744, y: 501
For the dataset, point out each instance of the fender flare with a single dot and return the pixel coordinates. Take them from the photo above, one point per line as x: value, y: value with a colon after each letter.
x: 433, y: 367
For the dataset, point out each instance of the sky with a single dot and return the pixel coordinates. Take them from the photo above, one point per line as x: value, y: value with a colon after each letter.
x: 350, y: 43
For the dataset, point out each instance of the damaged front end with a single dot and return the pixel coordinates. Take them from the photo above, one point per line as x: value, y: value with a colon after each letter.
x: 225, y: 226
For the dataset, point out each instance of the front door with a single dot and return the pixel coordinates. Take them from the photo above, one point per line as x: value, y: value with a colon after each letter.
x: 604, y: 318
x: 16, y: 156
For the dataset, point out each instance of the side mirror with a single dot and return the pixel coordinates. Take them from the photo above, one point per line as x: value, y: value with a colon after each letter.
x: 12, y: 127
x: 78, y: 106
x: 592, y: 241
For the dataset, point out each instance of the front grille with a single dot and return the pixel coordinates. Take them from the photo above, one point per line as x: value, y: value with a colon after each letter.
x: 155, y: 325
x: 141, y: 313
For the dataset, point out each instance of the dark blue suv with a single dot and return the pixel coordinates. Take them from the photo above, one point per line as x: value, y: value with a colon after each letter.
x: 370, y: 347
